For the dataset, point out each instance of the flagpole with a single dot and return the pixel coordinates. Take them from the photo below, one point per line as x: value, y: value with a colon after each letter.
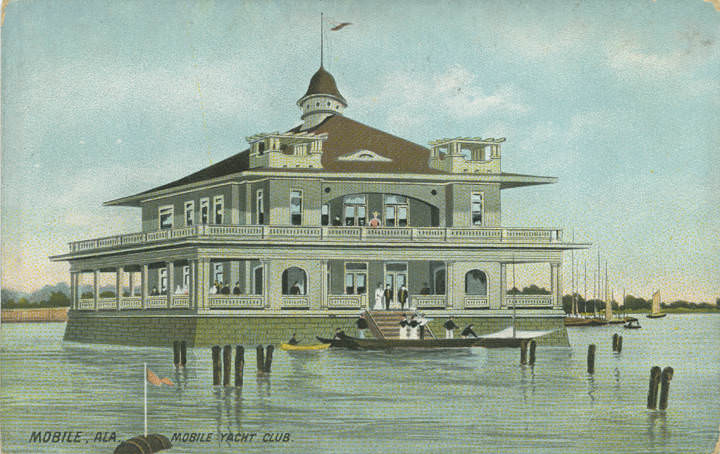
x: 321, y: 39
x: 145, y: 395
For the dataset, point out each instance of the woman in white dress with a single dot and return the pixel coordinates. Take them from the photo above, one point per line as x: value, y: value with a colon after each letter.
x: 379, y: 298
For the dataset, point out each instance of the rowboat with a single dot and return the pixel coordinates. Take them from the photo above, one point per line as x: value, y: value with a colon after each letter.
x: 291, y: 347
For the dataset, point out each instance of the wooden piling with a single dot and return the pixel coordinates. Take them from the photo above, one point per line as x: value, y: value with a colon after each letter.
x: 239, y: 365
x: 268, y: 358
x: 619, y: 344
x: 653, y: 389
x: 523, y: 352
x: 227, y: 363
x: 260, y: 360
x: 533, y: 344
x: 591, y: 359
x: 216, y: 365
x: 665, y: 377
x: 183, y: 353
x: 176, y: 353
x: 615, y: 342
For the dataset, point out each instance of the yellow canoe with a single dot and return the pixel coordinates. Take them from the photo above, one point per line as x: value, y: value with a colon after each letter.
x: 304, y: 347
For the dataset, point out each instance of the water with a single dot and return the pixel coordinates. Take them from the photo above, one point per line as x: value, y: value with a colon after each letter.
x: 339, y: 401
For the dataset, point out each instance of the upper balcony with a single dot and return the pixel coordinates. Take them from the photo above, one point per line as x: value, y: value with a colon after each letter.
x: 322, y: 235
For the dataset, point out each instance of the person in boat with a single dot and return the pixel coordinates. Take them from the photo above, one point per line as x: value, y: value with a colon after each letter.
x: 450, y: 328
x: 402, y: 296
x: 468, y: 331
x: 339, y: 334
x: 379, y: 297
x: 422, y: 323
x: 293, y: 341
x: 404, y: 327
x: 362, y: 325
x: 236, y: 289
x: 387, y: 297
x: 413, y: 324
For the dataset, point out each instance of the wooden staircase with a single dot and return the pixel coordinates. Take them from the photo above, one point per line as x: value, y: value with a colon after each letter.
x: 386, y: 324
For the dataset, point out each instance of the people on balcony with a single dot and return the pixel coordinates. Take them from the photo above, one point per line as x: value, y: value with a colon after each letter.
x: 225, y: 290
x: 425, y: 289
x: 375, y: 221
x: 236, y: 289
x: 295, y: 289
x: 154, y: 291
x: 337, y: 221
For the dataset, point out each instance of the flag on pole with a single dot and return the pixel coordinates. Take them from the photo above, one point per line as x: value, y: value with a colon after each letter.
x: 157, y: 381
x: 340, y: 26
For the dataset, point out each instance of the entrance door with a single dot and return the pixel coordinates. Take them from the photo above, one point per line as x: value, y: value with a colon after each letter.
x: 396, y: 275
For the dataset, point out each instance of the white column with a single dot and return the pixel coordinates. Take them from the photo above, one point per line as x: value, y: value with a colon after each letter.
x: 555, y: 283
x: 96, y: 288
x: 118, y: 286
x: 73, y: 289
x: 503, y: 283
x: 170, y: 282
x: 131, y: 282
x: 201, y: 284
x: 558, y: 285
x: 324, y: 294
x: 450, y: 285
x: 144, y: 285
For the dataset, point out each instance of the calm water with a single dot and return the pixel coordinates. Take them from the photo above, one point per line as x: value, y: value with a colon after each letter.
x: 337, y: 401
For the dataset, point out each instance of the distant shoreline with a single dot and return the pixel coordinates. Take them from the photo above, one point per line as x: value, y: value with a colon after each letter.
x: 46, y: 314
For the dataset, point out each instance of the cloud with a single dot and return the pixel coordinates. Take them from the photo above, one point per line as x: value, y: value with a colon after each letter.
x: 455, y: 94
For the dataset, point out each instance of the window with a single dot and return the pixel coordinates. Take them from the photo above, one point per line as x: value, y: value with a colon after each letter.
x: 259, y: 207
x: 258, y: 280
x: 163, y: 279
x: 296, y: 207
x: 477, y: 208
x: 190, y: 213
x: 166, y: 217
x: 204, y: 210
x: 475, y: 283
x: 218, y: 208
x: 261, y: 148
x: 186, y: 277
x: 355, y: 210
x: 325, y: 214
x: 355, y: 278
x: 294, y: 281
x: 396, y: 211
x: 219, y: 273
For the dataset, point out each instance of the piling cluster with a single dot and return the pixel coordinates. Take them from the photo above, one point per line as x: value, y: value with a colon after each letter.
x: 663, y: 380
x: 222, y: 363
x: 617, y: 343
x: 524, y: 352
x: 179, y: 353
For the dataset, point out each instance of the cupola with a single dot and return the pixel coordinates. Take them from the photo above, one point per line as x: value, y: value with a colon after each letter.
x: 321, y: 99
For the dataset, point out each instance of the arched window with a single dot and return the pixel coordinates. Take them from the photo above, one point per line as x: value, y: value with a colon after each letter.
x: 294, y: 281
x: 475, y: 283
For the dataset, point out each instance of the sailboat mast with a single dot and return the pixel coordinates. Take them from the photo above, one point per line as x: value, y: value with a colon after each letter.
x: 514, y: 295
x: 585, y: 285
x: 572, y: 255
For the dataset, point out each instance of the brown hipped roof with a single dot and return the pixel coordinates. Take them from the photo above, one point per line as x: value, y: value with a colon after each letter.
x: 323, y: 83
x: 345, y: 136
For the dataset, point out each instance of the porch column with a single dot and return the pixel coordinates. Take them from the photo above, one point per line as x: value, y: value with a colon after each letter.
x: 191, y: 284
x: 96, y: 288
x: 450, y: 285
x: 503, y: 283
x: 201, y: 284
x: 131, y: 282
x: 73, y: 290
x: 170, y: 282
x: 556, y: 286
x: 118, y: 286
x: 324, y: 292
x: 144, y: 285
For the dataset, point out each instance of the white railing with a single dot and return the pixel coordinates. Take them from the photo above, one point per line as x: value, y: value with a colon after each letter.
x: 328, y: 233
x: 237, y: 302
x: 476, y: 302
x: 86, y: 304
x: 130, y: 302
x: 289, y: 302
x: 428, y: 301
x: 528, y: 300
x: 107, y: 303
x: 180, y: 301
x: 156, y: 302
x: 345, y: 301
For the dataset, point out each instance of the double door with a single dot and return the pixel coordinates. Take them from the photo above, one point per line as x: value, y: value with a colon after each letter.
x: 396, y: 275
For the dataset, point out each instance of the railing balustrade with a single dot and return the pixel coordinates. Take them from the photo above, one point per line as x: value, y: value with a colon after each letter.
x: 86, y: 304
x: 428, y: 301
x: 477, y: 302
x: 292, y: 302
x: 345, y: 233
x: 107, y: 303
x: 237, y: 302
x: 345, y: 301
x: 528, y: 300
x: 156, y: 302
x: 180, y: 301
x: 130, y: 302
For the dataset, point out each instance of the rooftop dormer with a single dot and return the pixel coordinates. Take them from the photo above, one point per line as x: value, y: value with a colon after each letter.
x: 321, y: 100
x: 466, y: 155
x: 286, y: 150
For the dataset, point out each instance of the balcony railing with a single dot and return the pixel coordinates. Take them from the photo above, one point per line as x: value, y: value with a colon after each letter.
x: 528, y: 301
x: 346, y: 301
x: 237, y: 302
x: 429, y: 301
x: 295, y: 302
x: 301, y: 233
x: 477, y: 302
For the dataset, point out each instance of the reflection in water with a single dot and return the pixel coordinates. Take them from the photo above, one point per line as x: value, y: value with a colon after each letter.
x: 592, y: 387
x: 657, y: 427
x: 616, y: 375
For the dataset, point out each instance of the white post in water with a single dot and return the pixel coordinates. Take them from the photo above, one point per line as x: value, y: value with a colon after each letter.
x: 145, y: 395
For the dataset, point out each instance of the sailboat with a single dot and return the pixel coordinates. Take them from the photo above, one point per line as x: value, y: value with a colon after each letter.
x: 655, y: 312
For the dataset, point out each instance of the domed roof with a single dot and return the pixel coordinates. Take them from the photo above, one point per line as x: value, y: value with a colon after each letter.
x: 323, y: 83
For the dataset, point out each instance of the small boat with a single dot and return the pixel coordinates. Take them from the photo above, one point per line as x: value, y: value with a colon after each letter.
x: 577, y: 321
x: 632, y: 323
x: 655, y: 311
x: 297, y: 347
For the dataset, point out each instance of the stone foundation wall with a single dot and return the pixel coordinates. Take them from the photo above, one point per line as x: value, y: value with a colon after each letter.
x: 204, y: 331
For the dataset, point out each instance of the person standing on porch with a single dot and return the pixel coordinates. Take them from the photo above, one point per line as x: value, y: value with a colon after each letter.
x: 379, y: 297
x: 402, y: 296
x: 450, y: 328
x: 388, y: 297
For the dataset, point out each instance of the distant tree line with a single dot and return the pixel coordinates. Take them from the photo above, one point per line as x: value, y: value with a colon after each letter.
x: 633, y: 304
x: 56, y: 299
x: 531, y: 290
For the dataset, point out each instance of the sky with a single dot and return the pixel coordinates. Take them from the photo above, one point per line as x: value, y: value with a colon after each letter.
x: 618, y: 99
